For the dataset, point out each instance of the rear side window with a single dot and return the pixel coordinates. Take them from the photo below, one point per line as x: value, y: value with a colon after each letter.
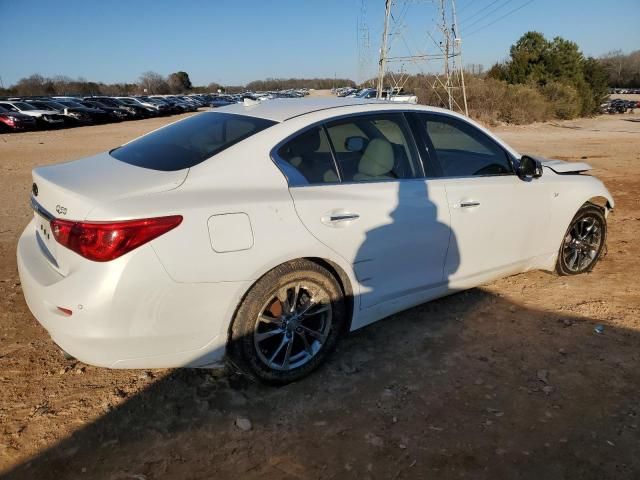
x: 373, y: 148
x: 189, y: 142
x: 307, y: 159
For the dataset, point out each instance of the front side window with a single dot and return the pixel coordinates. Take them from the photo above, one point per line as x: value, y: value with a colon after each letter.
x: 462, y: 150
x: 373, y: 148
x: 189, y: 142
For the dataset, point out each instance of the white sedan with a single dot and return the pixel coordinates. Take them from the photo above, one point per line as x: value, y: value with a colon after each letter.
x: 265, y: 232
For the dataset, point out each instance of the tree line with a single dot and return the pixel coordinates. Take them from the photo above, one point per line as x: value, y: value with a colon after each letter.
x: 152, y: 83
x: 623, y: 71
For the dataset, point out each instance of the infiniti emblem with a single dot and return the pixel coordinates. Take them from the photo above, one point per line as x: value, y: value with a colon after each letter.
x: 34, y: 189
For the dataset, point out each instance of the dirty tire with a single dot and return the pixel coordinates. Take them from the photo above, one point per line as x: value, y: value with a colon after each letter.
x: 281, y: 296
x: 588, y: 215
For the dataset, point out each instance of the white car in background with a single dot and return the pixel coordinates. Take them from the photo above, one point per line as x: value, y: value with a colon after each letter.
x: 267, y: 231
x: 43, y: 117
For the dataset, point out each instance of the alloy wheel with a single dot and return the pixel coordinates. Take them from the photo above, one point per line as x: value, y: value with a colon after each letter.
x: 582, y: 243
x: 293, y: 325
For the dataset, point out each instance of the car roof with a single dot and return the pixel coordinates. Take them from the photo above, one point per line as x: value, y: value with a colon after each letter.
x: 281, y: 109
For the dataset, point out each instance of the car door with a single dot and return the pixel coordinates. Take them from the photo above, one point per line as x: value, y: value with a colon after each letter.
x: 497, y: 219
x: 358, y: 187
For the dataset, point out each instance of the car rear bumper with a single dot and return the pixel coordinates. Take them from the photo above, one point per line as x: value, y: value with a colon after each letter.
x: 127, y: 313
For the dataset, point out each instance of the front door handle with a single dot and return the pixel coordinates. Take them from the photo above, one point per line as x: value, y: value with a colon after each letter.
x: 469, y: 204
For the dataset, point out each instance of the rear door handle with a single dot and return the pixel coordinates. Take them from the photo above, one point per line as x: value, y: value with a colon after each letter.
x: 343, y: 217
x: 339, y: 218
x: 469, y: 204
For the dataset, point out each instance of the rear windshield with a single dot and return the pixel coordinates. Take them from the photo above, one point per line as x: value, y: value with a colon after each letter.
x: 189, y: 142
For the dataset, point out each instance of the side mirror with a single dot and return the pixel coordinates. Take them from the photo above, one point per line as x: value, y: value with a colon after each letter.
x: 355, y: 144
x: 529, y: 168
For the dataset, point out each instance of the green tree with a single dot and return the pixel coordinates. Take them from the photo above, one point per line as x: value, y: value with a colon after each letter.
x: 560, y: 64
x: 179, y: 82
x: 528, y: 59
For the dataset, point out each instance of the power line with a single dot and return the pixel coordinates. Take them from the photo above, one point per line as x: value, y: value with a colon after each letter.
x: 465, y: 7
x: 489, y: 13
x: 483, y: 9
x: 499, y: 18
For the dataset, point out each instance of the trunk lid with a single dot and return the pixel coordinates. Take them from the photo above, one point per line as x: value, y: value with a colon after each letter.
x: 71, y: 190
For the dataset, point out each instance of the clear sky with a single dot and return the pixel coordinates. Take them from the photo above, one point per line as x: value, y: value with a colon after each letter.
x: 234, y: 42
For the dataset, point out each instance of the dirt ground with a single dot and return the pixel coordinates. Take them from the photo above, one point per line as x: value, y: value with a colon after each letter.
x: 505, y: 381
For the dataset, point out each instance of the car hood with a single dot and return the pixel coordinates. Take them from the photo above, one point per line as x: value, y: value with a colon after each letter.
x: 86, y: 109
x: 39, y: 112
x: 562, y: 166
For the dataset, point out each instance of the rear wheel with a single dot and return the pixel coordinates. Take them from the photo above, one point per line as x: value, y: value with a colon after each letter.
x: 289, y: 322
x: 584, y: 241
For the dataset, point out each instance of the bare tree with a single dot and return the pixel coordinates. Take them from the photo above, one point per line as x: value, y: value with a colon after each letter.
x: 35, y: 84
x: 623, y: 70
x: 153, y: 83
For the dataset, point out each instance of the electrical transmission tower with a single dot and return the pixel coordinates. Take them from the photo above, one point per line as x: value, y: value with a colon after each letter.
x: 401, y: 55
x: 364, y: 45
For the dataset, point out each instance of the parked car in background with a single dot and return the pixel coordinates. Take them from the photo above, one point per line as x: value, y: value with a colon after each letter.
x: 116, y: 112
x: 267, y: 231
x: 45, y: 118
x: 139, y: 111
x: 186, y: 106
x: 72, y: 116
x: 171, y: 106
x: 393, y: 96
x: 160, y: 109
x: 15, y: 121
x: 97, y: 115
x: 219, y: 101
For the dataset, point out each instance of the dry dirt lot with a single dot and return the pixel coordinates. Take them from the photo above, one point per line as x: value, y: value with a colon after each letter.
x: 504, y: 381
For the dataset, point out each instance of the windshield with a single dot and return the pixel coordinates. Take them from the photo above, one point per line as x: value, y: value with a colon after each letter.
x: 55, y: 105
x: 108, y: 101
x: 72, y: 104
x: 364, y: 93
x: 23, y: 106
x: 190, y: 141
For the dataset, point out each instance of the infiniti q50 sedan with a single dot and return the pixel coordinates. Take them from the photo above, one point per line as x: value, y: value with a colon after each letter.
x: 264, y: 232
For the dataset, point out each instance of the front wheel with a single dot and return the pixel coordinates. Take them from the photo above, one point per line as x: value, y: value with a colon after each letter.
x: 584, y: 241
x: 288, y: 323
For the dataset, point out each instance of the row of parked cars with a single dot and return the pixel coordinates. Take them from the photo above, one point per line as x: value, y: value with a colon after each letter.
x: 391, y: 94
x: 619, y: 105
x: 31, y: 113
x: 625, y: 91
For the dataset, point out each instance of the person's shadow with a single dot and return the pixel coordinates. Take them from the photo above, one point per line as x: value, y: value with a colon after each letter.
x: 410, y: 257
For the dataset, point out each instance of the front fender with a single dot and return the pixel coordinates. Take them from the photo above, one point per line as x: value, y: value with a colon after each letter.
x: 568, y: 194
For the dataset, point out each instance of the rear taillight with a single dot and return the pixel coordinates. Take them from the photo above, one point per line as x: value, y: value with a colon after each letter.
x: 104, y: 241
